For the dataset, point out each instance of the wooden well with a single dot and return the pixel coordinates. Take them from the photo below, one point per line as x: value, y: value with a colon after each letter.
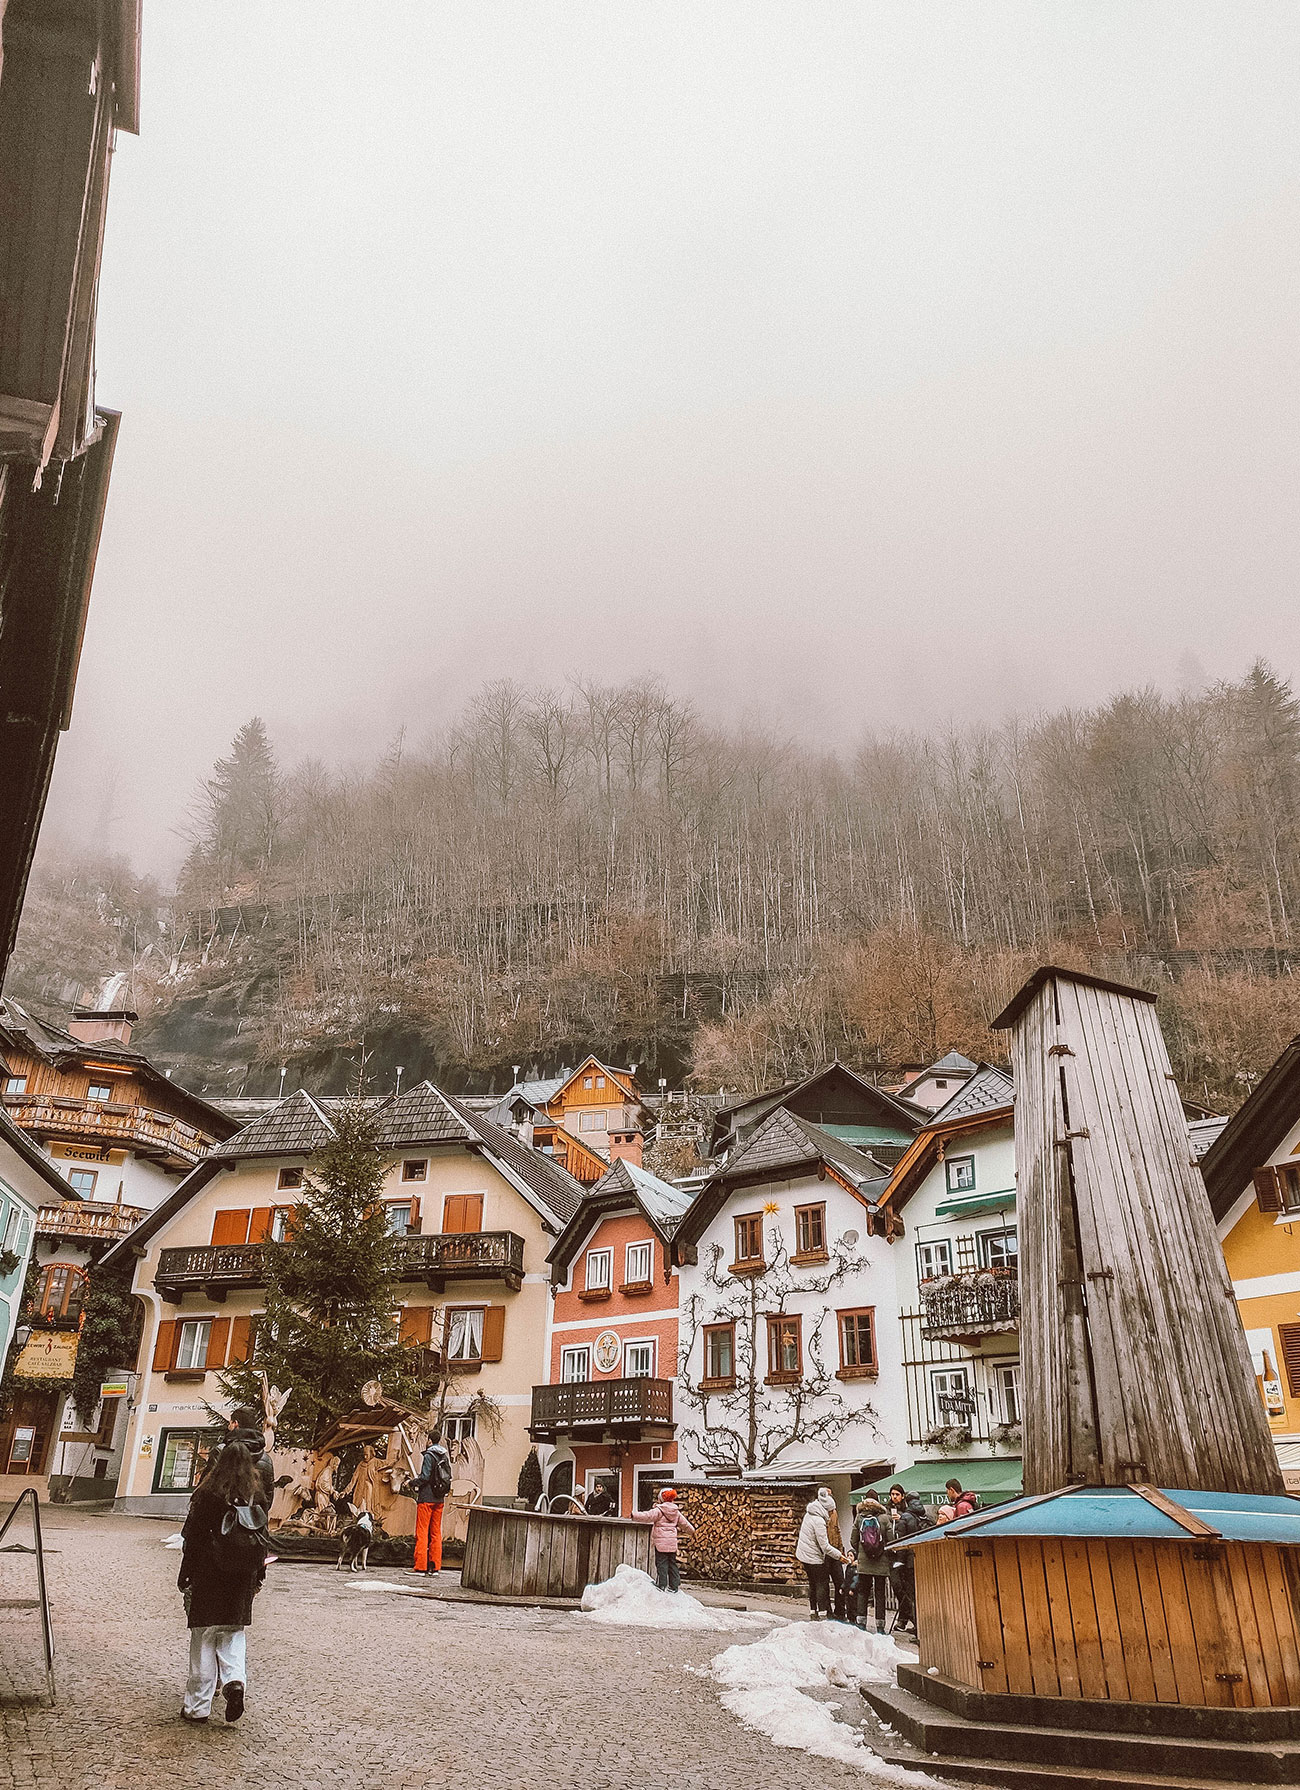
x: 529, y: 1553
x: 1113, y: 1619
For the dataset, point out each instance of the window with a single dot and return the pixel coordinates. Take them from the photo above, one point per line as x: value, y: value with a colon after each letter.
x: 415, y: 1168
x: 720, y: 1352
x: 600, y: 1270
x: 289, y: 1179
x: 575, y: 1365
x: 15, y: 1084
x: 950, y: 1389
x: 10, y: 1229
x: 62, y: 1290
x: 858, y: 1341
x: 462, y: 1213
x: 458, y: 1429
x: 749, y: 1238
x: 649, y: 1481
x: 1288, y: 1182
x: 1006, y: 1386
x: 600, y: 1081
x: 586, y: 1081
x: 933, y: 1259
x: 465, y: 1334
x: 961, y: 1174
x: 810, y: 1230
x: 99, y: 1090
x: 638, y: 1360
x: 998, y: 1248
x: 638, y: 1264
x: 939, y: 1082
x: 399, y: 1218
x: 82, y: 1181
x: 592, y: 1120
x: 784, y: 1348
x: 192, y: 1349
x: 183, y: 1456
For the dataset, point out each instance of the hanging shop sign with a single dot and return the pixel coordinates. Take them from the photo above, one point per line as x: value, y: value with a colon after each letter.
x: 48, y: 1355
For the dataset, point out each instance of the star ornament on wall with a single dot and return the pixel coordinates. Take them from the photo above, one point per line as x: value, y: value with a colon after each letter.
x: 771, y: 1207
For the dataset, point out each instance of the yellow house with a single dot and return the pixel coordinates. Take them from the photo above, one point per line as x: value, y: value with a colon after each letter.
x: 476, y: 1212
x: 1252, y: 1172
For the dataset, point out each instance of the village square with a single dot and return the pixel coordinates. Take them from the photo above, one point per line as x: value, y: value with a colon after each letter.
x: 649, y: 1049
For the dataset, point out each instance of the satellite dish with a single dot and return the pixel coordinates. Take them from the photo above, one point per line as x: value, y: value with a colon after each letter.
x: 849, y: 1239
x: 372, y: 1393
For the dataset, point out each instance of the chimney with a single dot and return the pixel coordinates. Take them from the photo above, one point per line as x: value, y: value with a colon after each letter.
x: 626, y: 1146
x: 110, y: 1026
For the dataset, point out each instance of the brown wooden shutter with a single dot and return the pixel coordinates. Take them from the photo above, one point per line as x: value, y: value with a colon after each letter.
x: 241, y: 1339
x: 259, y: 1228
x: 1288, y: 1342
x: 230, y: 1227
x: 1268, y: 1194
x: 494, y: 1331
x: 416, y: 1327
x: 164, y: 1345
x: 218, y: 1338
x: 462, y: 1212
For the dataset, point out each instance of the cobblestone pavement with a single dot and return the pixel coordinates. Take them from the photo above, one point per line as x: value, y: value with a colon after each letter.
x: 352, y: 1688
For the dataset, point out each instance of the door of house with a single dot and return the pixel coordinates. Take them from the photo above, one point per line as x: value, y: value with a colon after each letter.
x: 25, y: 1429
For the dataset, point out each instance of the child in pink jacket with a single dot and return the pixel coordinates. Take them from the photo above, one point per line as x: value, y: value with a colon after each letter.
x: 667, y: 1522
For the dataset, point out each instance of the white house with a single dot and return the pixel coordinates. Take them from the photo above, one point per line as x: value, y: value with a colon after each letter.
x: 789, y: 1354
x: 958, y: 1294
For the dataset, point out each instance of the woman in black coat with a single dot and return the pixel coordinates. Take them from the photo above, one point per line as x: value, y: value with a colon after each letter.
x: 222, y: 1568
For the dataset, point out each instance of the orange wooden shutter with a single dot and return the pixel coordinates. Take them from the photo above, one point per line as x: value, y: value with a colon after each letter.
x: 1288, y: 1342
x: 462, y: 1212
x: 241, y: 1339
x: 218, y: 1337
x: 1268, y: 1195
x: 416, y: 1326
x: 414, y: 1223
x: 164, y: 1345
x: 494, y: 1330
x: 230, y: 1227
x: 259, y: 1228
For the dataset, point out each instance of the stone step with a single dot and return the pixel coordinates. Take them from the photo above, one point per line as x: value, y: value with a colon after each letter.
x: 934, y: 1730
x: 1040, y: 1777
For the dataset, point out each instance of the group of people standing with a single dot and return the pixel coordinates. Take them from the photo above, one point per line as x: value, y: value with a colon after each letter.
x: 846, y: 1584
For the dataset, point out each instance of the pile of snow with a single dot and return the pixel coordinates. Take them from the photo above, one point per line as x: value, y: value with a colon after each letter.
x: 631, y: 1599
x: 765, y: 1681
x: 175, y: 1541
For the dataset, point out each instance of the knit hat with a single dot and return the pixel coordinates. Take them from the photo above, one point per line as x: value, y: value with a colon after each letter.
x: 825, y: 1495
x: 668, y: 1493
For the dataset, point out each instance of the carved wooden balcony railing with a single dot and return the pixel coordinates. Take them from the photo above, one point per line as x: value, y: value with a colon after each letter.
x: 89, y: 1220
x: 111, y: 1124
x: 217, y: 1269
x: 624, y: 1407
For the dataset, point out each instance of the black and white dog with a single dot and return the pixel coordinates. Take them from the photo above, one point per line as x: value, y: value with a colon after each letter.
x: 354, y: 1543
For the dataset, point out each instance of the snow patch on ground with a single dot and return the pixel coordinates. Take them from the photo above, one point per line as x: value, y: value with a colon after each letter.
x: 764, y: 1684
x: 631, y: 1599
x: 175, y: 1541
x: 376, y: 1585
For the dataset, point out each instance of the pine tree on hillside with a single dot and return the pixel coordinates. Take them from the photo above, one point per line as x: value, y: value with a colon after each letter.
x: 331, y: 1320
x: 238, y: 814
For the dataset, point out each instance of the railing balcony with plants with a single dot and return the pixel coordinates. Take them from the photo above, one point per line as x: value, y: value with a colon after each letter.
x: 983, y: 1303
x: 88, y: 1220
x: 218, y: 1268
x: 110, y: 1122
x: 600, y: 1405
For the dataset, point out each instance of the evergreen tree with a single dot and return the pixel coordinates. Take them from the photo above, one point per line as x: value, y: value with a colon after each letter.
x: 239, y: 809
x: 331, y: 1321
x: 529, y: 1484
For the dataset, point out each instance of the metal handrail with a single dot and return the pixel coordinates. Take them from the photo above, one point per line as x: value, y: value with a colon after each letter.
x: 15, y: 1547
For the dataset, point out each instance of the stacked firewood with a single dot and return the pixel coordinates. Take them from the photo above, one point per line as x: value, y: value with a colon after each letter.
x: 745, y: 1530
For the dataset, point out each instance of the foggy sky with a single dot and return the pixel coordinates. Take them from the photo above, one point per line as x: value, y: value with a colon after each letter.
x: 852, y: 364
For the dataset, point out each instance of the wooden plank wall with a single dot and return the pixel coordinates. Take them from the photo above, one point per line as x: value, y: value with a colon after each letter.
x: 1135, y: 1361
x: 519, y: 1553
x: 1122, y: 1621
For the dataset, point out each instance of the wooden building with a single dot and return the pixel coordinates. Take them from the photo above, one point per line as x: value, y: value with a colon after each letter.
x: 585, y: 1119
x: 607, y: 1410
x: 838, y: 1101
x: 69, y: 81
x: 476, y: 1214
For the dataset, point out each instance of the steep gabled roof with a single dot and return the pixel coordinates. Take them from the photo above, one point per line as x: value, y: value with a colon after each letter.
x: 662, y: 1205
x: 533, y: 1093
x: 623, y: 1078
x: 1253, y: 1132
x: 783, y: 1148
x: 923, y: 1152
x: 988, y: 1087
x: 756, y: 1107
x: 954, y: 1063
x: 295, y: 1126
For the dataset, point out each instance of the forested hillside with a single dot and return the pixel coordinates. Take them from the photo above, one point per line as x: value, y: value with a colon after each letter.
x: 605, y: 868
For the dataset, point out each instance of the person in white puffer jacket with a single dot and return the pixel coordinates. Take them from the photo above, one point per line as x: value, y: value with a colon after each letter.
x: 813, y: 1550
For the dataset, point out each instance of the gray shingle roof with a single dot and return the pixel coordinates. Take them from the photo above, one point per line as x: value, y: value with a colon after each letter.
x: 987, y: 1088
x: 295, y: 1126
x: 664, y: 1204
x: 784, y: 1141
x: 954, y: 1063
x: 422, y: 1115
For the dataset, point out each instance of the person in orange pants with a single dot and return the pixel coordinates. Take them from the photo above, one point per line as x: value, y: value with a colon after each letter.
x: 431, y: 1487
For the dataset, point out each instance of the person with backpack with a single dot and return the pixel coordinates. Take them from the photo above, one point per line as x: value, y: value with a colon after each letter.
x: 431, y: 1487
x: 245, y: 1426
x: 909, y: 1517
x: 873, y: 1531
x: 964, y: 1504
x: 667, y: 1522
x: 223, y: 1564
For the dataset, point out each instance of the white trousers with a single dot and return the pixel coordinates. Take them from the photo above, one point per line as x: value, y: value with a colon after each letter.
x: 216, y: 1658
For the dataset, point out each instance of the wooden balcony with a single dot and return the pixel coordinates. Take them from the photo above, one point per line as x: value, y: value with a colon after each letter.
x: 111, y: 1125
x: 89, y: 1221
x: 217, y: 1269
x: 971, y: 1305
x: 598, y: 1410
